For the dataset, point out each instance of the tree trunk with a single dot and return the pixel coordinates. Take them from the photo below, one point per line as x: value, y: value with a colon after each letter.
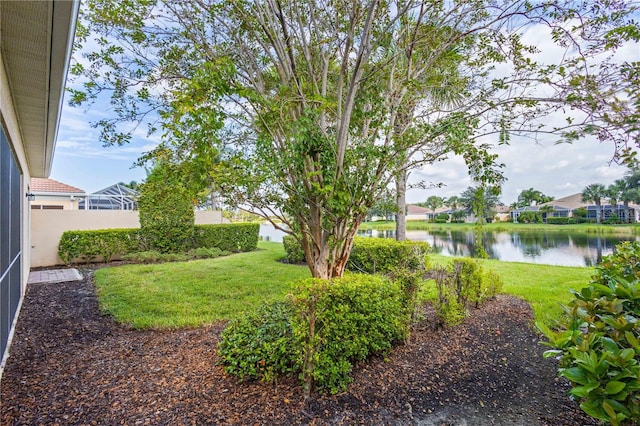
x: 401, y: 199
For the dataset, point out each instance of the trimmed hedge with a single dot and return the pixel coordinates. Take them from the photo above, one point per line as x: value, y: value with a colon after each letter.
x: 233, y: 237
x: 107, y: 244
x: 372, y: 255
x: 103, y: 244
x: 558, y: 220
x: 383, y: 255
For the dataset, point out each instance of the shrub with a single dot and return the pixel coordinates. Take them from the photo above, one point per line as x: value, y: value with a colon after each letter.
x: 612, y: 220
x: 384, y: 255
x: 206, y: 253
x: 166, y: 210
x: 462, y: 283
x: 232, y: 237
x: 101, y: 245
x: 530, y: 217
x: 599, y: 350
x: 105, y: 245
x: 558, y: 220
x: 324, y: 327
x: 261, y: 345
x: 293, y: 250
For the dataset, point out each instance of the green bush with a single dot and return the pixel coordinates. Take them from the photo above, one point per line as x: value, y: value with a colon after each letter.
x: 101, y: 245
x: 599, y: 350
x: 261, y: 345
x: 530, y: 217
x: 166, y: 210
x: 558, y: 220
x: 612, y: 220
x: 293, y: 250
x: 105, y: 245
x: 325, y: 327
x: 206, y: 253
x: 384, y: 255
x: 462, y: 283
x: 153, y: 256
x: 232, y: 237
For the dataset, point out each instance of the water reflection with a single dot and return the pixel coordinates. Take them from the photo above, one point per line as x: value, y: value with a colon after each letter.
x: 551, y: 248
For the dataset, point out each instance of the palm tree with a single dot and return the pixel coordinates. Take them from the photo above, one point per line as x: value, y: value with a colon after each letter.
x: 546, y: 211
x: 453, y: 202
x: 433, y: 203
x: 595, y: 192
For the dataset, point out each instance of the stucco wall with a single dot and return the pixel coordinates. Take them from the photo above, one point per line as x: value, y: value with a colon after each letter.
x: 47, y: 227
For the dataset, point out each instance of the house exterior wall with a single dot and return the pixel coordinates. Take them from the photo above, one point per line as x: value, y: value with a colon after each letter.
x: 47, y: 227
x: 10, y: 128
x: 48, y: 201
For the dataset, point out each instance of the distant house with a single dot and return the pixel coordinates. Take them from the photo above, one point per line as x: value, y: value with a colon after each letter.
x: 49, y: 194
x: 417, y: 213
x: 564, y: 207
x: 503, y: 213
x: 114, y: 197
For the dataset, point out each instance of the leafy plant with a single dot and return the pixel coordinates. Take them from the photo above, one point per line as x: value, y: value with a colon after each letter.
x: 599, y: 349
x: 166, y: 210
x: 232, y: 237
x: 101, y: 245
x: 323, y: 328
x: 463, y: 282
x: 294, y: 251
x: 261, y: 345
x: 384, y: 255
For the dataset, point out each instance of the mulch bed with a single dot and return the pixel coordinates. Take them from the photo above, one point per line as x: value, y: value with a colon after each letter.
x: 69, y: 364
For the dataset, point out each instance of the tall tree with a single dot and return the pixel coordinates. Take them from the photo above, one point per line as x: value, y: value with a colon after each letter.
x: 530, y: 196
x: 595, y: 192
x: 299, y: 110
x: 434, y: 202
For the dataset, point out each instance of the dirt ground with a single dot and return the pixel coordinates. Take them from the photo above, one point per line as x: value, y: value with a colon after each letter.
x: 69, y: 364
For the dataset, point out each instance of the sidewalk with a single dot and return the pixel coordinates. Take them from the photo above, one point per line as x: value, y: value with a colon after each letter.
x: 52, y: 276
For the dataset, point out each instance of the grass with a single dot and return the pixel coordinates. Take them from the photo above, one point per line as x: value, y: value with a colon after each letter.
x: 191, y: 294
x: 545, y: 287
x: 417, y: 225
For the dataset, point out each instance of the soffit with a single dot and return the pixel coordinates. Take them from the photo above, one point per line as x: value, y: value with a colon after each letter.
x: 36, y: 39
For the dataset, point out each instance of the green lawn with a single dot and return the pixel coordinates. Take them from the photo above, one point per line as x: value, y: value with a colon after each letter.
x: 190, y: 294
x: 545, y: 287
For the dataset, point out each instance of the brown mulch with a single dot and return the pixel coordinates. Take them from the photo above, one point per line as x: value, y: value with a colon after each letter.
x: 69, y: 364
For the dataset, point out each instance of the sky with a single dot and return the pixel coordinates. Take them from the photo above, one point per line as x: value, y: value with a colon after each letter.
x: 558, y: 170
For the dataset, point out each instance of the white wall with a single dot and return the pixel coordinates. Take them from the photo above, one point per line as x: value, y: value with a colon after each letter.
x: 47, y: 227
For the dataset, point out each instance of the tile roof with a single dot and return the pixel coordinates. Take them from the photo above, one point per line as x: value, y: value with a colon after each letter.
x: 50, y: 185
x: 413, y: 209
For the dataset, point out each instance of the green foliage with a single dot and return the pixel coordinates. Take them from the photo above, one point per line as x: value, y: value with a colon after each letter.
x: 101, y: 245
x: 233, y: 237
x: 599, y: 350
x: 105, y: 245
x: 294, y: 251
x: 462, y: 283
x: 530, y: 217
x: 580, y: 212
x: 261, y: 345
x: 166, y: 210
x: 383, y: 255
x: 441, y: 218
x: 345, y: 320
x: 558, y: 220
x: 323, y: 328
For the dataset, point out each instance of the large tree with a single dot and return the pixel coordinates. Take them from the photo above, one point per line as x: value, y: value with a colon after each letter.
x: 529, y: 197
x: 307, y: 111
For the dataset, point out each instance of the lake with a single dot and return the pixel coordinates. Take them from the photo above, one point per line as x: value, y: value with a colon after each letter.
x: 549, y: 248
